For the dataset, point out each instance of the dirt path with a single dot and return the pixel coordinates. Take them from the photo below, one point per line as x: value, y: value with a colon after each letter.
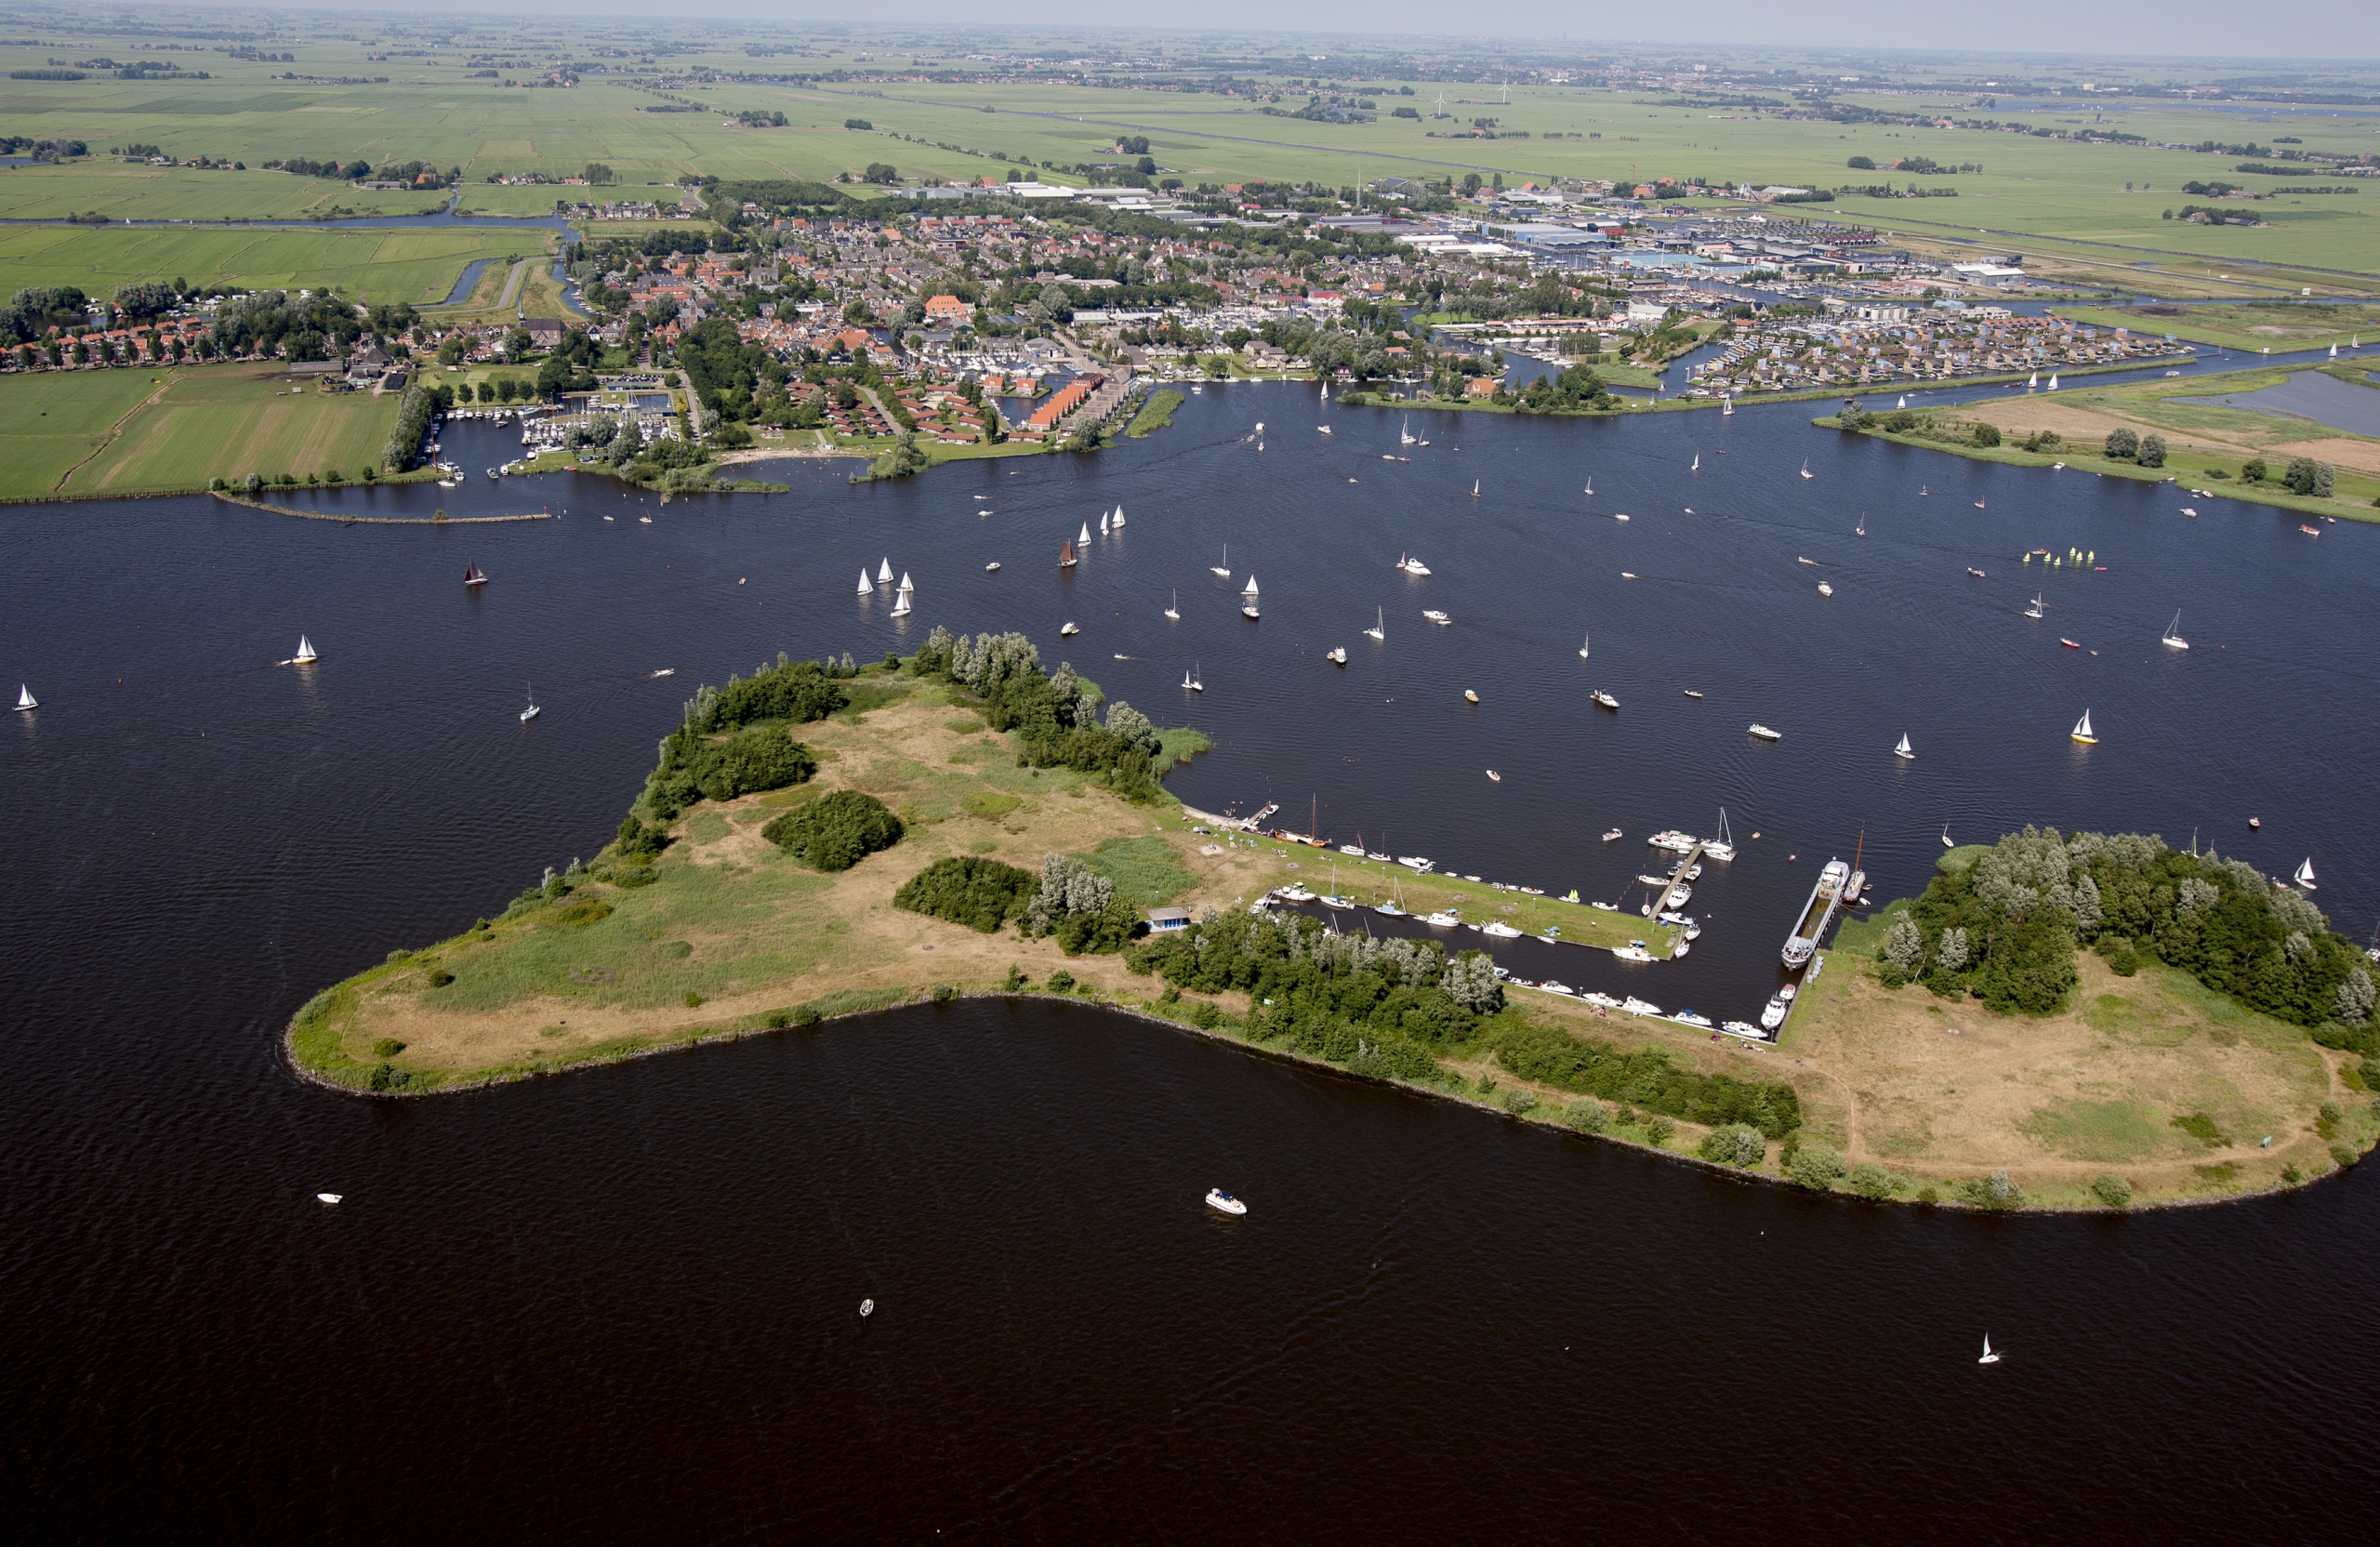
x: 165, y: 385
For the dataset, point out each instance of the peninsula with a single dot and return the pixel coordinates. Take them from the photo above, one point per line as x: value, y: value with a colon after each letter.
x: 826, y: 837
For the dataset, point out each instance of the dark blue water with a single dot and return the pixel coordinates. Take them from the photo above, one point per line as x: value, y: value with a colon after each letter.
x: 619, y: 1304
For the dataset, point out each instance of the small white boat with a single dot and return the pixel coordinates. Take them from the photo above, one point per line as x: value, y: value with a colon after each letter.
x: 1436, y: 616
x: 1989, y: 1356
x: 1407, y: 437
x: 1441, y: 920
x: 1415, y: 862
x: 906, y: 585
x: 1904, y: 750
x: 1337, y: 657
x: 1068, y: 630
x: 1102, y: 523
x: 25, y: 699
x: 1293, y: 893
x: 900, y: 607
x: 1619, y: 515
x: 1175, y: 610
x: 1412, y: 567
x: 1378, y: 628
x: 1190, y: 680
x: 1119, y: 515
x: 2035, y: 610
x: 1604, y: 700
x: 868, y: 1307
x: 1324, y: 428
x: 992, y: 568
x: 1825, y: 588
x: 2304, y: 876
x: 330, y: 1198
x: 1247, y: 597
x: 1495, y: 777
x: 1218, y: 1198
x: 1497, y: 929
x: 1773, y: 1014
x: 1085, y: 538
x: 1805, y: 468
x: 1470, y: 696
x: 1946, y: 837
x: 1765, y: 734
x: 2174, y: 636
x: 1697, y: 463
x: 1223, y: 569
x: 884, y: 573
x: 2083, y: 731
x: 1613, y: 835
x: 1584, y: 642
x: 867, y: 587
x: 667, y: 671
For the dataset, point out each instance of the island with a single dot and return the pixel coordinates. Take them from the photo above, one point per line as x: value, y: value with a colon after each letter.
x: 825, y: 838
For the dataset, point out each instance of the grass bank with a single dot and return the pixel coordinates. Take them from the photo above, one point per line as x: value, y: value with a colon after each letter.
x: 1156, y: 413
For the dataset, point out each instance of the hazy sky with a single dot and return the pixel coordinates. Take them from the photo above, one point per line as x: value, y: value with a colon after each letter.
x: 2306, y: 29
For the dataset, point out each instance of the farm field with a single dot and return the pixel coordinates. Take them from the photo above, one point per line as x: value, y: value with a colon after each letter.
x: 123, y: 192
x: 400, y: 264
x: 2247, y: 328
x: 138, y: 433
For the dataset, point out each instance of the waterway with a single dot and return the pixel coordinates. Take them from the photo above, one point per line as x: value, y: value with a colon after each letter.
x: 621, y: 1304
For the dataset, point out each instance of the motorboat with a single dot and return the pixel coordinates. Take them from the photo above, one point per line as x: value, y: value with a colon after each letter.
x: 1550, y: 987
x: 1692, y: 693
x: 1067, y: 631
x: 1494, y: 777
x: 1218, y: 1198
x: 1689, y: 1018
x: 329, y: 1198
x: 1436, y: 616
x: 866, y: 1308
x: 1470, y: 696
x: 1634, y: 951
x: 1765, y: 734
x: 1772, y: 1015
x: 1415, y: 862
x: 1605, y: 907
x: 1293, y: 893
x: 1338, y: 656
x: 1743, y: 1028
x: 1604, y: 700
x: 1613, y: 836
x: 1497, y: 929
x: 1635, y: 1006
x: 1412, y: 567
x: 1441, y: 920
x: 1825, y: 588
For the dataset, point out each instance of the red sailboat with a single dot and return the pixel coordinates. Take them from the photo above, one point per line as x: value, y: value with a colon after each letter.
x: 472, y: 575
x: 1066, y: 556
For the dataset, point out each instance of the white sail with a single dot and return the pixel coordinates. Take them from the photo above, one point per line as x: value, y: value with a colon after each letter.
x: 2032, y: 381
x: 305, y: 651
x: 25, y: 699
x: 1903, y: 402
x: 1475, y: 488
x: 1175, y: 610
x: 1727, y: 408
x: 865, y: 585
x: 1379, y: 629
x: 2082, y: 728
x: 2052, y: 381
x: 900, y: 605
x: 1085, y: 538
x: 1904, y: 750
x: 1248, y: 589
x: 1119, y: 515
x: 1103, y: 521
x: 1697, y: 463
x: 906, y: 587
x: 885, y: 572
x: 2305, y: 876
x: 1583, y: 644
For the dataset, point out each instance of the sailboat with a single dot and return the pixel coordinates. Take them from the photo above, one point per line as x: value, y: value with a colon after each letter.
x: 1223, y: 569
x: 1190, y: 680
x: 2304, y: 876
x: 2082, y: 731
x: 1085, y: 538
x: 1102, y: 523
x: 1946, y: 837
x: 865, y: 585
x: 1805, y: 468
x: 1475, y: 488
x: 25, y: 699
x: 472, y: 575
x: 2032, y: 381
x: 1727, y: 408
x: 2334, y: 351
x: 1175, y: 611
x: 2035, y: 610
x: 884, y: 573
x: 1591, y: 483
x: 2052, y: 381
x: 1405, y: 436
x: 532, y: 712
x: 1247, y: 597
x: 1584, y: 642
x: 900, y: 605
x: 906, y: 587
x: 1989, y: 1356
x: 1861, y: 529
x: 1903, y: 402
x: 1697, y: 463
x: 2173, y: 634
x: 305, y: 656
x: 1119, y: 515
x: 1379, y: 629
x: 1325, y: 389
x: 1904, y: 750
x: 1065, y: 555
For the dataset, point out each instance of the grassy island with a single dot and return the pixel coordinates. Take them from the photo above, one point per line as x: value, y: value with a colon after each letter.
x: 827, y: 839
x: 2234, y: 452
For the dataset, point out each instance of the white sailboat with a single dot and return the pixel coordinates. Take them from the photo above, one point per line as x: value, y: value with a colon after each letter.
x: 1583, y: 644
x: 1475, y: 488
x: 305, y: 656
x: 1325, y: 389
x: 884, y: 572
x: 2334, y: 351
x: 906, y: 586
x: 1724, y: 846
x: 1223, y: 569
x: 2052, y: 381
x: 1102, y: 523
x: 1190, y: 680
x: 1119, y: 514
x: 1904, y: 750
x: 1697, y: 463
x: 1727, y: 408
x: 900, y: 605
x: 25, y: 699
x: 1805, y: 468
x: 1903, y: 402
x: 1406, y: 437
x: 867, y: 587
x: 2083, y: 731
x: 1085, y: 538
x: 2304, y: 876
x: 2032, y: 381
x: 2035, y: 610
x: 1175, y: 611
x: 1989, y: 1356
x: 1247, y: 597
x: 2173, y: 633
x: 532, y: 712
x: 1379, y: 629
x: 1591, y: 483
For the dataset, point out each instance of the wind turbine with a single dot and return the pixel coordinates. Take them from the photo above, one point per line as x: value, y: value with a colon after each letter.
x: 1508, y: 96
x: 1440, y: 111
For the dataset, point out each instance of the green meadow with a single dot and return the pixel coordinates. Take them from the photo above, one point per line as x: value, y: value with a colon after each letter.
x: 420, y: 266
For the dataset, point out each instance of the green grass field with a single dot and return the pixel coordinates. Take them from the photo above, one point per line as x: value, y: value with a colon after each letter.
x: 2280, y: 326
x: 392, y: 265
x: 138, y: 433
x: 123, y: 192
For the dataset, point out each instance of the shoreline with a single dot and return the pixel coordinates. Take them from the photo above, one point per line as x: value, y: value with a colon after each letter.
x: 1227, y: 1033
x: 230, y: 498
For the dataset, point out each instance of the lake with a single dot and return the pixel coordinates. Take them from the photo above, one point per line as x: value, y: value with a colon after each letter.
x: 621, y: 1304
